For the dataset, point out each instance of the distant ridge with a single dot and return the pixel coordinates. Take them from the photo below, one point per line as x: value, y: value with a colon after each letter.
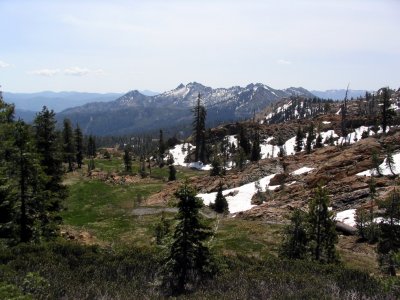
x: 339, y: 94
x: 135, y: 112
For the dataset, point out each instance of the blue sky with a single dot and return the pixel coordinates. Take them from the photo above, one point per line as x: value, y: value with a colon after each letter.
x: 116, y: 46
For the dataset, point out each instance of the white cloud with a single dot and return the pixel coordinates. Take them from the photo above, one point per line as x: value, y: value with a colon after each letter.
x: 283, y: 62
x: 4, y: 64
x: 45, y: 72
x: 76, y: 71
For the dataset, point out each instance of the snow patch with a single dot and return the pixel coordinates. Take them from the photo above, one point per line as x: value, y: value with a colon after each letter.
x: 385, y: 170
x: 347, y: 217
x: 302, y: 170
x: 239, y: 199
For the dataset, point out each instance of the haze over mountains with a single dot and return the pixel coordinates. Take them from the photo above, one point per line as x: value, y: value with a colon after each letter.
x: 137, y: 113
x: 144, y: 111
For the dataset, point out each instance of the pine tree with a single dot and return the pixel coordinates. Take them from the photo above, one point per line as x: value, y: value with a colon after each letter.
x: 244, y: 142
x: 91, y: 147
x: 216, y: 167
x: 68, y: 146
x: 318, y: 141
x: 91, y: 152
x: 172, y: 173
x: 199, y: 128
x: 220, y: 204
x: 161, y: 149
x: 127, y: 159
x: 7, y: 199
x: 189, y: 257
x: 310, y: 138
x: 29, y: 181
x: 376, y: 162
x: 78, y: 146
x: 49, y: 147
x: 256, y: 149
x: 389, y: 159
x: 386, y: 113
x: 322, y: 228
x: 389, y: 242
x: 299, y: 140
x: 295, y: 241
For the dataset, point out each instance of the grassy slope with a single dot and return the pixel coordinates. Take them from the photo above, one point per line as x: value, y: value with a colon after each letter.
x: 105, y: 211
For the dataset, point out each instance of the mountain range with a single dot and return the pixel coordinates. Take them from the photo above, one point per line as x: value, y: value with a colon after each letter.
x: 147, y: 111
x: 138, y: 113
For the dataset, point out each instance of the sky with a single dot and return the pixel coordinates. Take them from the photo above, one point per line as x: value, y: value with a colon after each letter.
x: 120, y: 45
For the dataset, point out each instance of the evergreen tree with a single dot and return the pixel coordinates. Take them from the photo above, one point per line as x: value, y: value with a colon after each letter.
x: 91, y: 147
x: 172, y: 173
x: 240, y: 158
x: 91, y: 152
x: 220, y: 204
x: 7, y: 199
x: 389, y: 242
x: 310, y: 138
x: 127, y: 159
x: 376, y: 162
x: 28, y: 181
x: 295, y: 237
x: 387, y: 113
x: 161, y: 149
x: 78, y: 146
x: 256, y: 149
x: 322, y: 232
x: 189, y: 257
x: 49, y: 148
x: 68, y: 144
x: 299, y: 140
x: 199, y: 129
x: 318, y: 141
x: 216, y: 167
x: 389, y: 159
x: 244, y: 142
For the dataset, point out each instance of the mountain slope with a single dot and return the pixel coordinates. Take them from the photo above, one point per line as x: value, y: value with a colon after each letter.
x: 137, y: 113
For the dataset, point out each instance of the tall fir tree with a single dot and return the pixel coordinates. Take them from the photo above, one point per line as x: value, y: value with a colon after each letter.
x: 199, y: 130
x: 256, y: 149
x: 28, y: 181
x: 127, y: 159
x: 7, y: 200
x: 244, y: 142
x: 171, y: 173
x: 48, y: 146
x: 299, y: 140
x: 189, y: 259
x: 389, y: 159
x: 386, y: 111
x: 310, y: 138
x: 68, y: 144
x: 78, y: 146
x: 220, y: 204
x: 322, y: 228
x: 161, y: 149
x: 91, y: 146
x: 389, y: 241
x: 295, y: 241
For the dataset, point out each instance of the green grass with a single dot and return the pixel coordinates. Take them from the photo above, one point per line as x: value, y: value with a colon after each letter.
x: 105, y: 209
x: 245, y: 237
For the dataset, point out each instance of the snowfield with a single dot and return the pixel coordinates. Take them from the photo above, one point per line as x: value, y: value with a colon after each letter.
x: 239, y: 198
x: 384, y: 168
